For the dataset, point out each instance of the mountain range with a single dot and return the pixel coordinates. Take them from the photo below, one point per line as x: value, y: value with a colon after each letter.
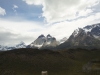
x: 87, y: 37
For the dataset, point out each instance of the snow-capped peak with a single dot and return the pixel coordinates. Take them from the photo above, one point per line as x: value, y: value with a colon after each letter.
x: 94, y: 29
x: 90, y: 27
x: 90, y: 30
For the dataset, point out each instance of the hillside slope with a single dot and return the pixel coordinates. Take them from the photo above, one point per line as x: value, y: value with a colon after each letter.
x: 33, y: 61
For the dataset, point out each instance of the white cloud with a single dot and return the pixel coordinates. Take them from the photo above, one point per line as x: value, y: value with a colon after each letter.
x: 56, y: 11
x: 62, y: 10
x: 35, y: 2
x: 14, y: 8
x: 2, y: 11
x: 85, y: 13
x: 14, y: 32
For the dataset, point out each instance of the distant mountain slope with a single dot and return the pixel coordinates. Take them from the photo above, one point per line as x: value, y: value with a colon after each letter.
x: 5, y: 48
x: 87, y: 37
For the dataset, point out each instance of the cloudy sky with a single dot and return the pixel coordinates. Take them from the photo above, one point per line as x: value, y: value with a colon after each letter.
x: 25, y: 20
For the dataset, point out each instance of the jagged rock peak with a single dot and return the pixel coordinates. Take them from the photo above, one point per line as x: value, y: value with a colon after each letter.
x: 41, y: 36
x: 88, y: 28
x: 76, y: 32
x: 22, y: 43
x: 53, y: 38
x: 49, y: 36
x: 92, y: 26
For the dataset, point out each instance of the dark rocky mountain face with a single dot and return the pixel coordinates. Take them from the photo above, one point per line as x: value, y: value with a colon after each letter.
x: 49, y: 36
x: 87, y: 37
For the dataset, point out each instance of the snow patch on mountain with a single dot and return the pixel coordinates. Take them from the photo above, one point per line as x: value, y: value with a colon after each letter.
x: 63, y: 40
x: 87, y: 30
x: 97, y: 37
x: 48, y: 42
x: 38, y: 45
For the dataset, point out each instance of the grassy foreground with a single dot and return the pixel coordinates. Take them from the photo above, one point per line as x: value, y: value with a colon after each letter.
x: 62, y: 62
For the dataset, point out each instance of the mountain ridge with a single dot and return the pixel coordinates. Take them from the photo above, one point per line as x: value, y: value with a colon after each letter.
x: 84, y: 38
x: 87, y: 37
x: 17, y: 46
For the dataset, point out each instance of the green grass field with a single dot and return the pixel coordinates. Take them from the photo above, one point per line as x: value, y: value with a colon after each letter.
x: 62, y: 62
